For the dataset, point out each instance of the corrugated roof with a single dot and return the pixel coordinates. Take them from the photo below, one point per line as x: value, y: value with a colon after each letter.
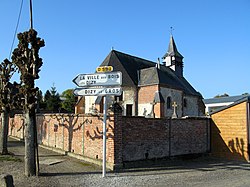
x: 228, y: 99
x: 245, y: 98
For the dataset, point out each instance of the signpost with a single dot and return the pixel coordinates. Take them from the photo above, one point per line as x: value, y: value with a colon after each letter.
x: 100, y: 84
x: 97, y: 91
x: 98, y: 79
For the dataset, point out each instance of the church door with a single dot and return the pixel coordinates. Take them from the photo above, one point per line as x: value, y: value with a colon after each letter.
x: 129, y: 110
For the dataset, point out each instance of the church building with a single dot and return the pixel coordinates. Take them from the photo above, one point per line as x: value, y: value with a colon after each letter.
x: 151, y: 89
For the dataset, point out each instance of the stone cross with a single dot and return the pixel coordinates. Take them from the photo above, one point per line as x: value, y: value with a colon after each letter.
x: 175, y: 107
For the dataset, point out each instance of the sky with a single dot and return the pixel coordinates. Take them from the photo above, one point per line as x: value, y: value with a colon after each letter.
x: 212, y: 35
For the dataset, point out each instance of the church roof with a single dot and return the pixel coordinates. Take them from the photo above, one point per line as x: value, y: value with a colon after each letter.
x: 140, y: 72
x: 128, y: 65
x: 165, y: 76
x: 172, y: 49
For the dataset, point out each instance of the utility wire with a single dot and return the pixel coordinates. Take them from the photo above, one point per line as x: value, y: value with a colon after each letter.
x: 18, y: 20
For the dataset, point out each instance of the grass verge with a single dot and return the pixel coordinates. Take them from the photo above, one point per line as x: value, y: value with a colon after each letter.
x: 9, y: 158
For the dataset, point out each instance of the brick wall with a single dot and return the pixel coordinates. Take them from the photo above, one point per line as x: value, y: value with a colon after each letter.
x: 146, y: 94
x: 79, y: 134
x: 128, y: 138
x: 229, y: 133
x: 157, y: 138
x: 190, y: 136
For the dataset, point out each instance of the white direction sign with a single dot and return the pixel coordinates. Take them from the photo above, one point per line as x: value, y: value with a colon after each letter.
x: 97, y: 91
x: 98, y: 79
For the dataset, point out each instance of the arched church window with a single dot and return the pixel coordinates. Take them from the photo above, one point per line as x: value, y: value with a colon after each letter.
x: 185, y: 102
x: 168, y: 102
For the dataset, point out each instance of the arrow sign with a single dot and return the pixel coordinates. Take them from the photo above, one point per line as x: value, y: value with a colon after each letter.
x: 97, y: 91
x: 98, y: 79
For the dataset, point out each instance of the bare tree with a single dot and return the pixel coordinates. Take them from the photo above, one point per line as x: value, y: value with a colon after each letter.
x: 6, y: 71
x: 26, y: 58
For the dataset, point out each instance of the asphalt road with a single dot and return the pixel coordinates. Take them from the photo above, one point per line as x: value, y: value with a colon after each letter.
x: 61, y: 170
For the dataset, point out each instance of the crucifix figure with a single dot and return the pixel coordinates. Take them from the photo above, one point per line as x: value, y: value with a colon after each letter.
x: 175, y: 107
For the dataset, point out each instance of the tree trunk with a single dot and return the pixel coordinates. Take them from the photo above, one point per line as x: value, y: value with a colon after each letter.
x: 30, y: 151
x: 4, y: 127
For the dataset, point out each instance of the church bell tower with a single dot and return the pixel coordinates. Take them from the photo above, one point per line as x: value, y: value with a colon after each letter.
x: 173, y: 58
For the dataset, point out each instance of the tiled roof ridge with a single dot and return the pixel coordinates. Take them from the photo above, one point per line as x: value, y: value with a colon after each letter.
x: 132, y: 56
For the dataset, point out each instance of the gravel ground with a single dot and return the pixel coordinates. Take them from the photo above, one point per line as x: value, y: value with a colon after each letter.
x: 203, y: 171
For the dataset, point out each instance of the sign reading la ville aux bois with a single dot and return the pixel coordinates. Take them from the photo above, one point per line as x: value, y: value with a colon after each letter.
x: 98, y: 79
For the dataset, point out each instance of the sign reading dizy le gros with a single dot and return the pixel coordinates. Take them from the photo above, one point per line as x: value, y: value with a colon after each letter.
x: 97, y: 91
x: 98, y: 79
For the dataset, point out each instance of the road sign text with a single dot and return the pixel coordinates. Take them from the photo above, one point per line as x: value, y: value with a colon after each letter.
x: 97, y: 91
x: 98, y: 79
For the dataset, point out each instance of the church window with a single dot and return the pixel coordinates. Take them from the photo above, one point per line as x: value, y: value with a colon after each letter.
x: 185, y: 102
x: 168, y: 102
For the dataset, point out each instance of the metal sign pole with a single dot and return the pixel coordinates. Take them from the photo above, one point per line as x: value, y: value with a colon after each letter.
x: 104, y: 136
x: 98, y: 84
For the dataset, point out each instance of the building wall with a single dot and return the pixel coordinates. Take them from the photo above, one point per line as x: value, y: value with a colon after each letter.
x: 159, y: 110
x: 142, y: 100
x: 229, y: 133
x: 192, y: 106
x: 146, y: 96
x: 214, y: 106
x: 80, y: 107
x: 176, y: 96
x: 89, y: 103
x: 129, y: 98
x: 128, y: 138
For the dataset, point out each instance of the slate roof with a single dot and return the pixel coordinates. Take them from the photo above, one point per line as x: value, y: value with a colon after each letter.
x: 140, y: 72
x: 128, y: 65
x: 165, y: 77
x: 244, y: 98
x: 229, y: 99
x: 172, y: 49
